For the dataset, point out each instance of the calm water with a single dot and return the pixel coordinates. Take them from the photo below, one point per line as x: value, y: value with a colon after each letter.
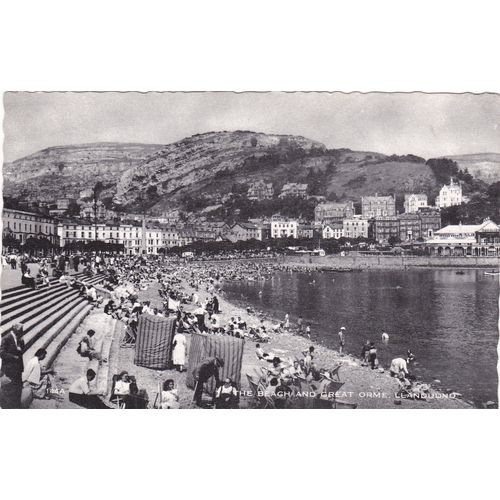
x: 448, y: 320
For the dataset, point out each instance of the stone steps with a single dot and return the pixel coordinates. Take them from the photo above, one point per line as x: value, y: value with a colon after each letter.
x: 54, y: 339
x: 49, y: 315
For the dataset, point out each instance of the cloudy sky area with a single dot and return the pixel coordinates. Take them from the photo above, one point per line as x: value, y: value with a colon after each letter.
x: 427, y: 125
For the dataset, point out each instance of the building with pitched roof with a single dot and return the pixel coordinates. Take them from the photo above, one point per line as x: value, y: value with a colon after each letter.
x: 467, y: 240
x: 415, y: 201
x: 378, y: 206
x: 331, y: 213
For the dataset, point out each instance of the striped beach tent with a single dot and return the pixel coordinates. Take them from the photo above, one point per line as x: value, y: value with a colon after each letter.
x: 153, y: 345
x: 204, y: 346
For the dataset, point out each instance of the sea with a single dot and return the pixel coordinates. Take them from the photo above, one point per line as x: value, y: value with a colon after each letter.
x: 448, y: 318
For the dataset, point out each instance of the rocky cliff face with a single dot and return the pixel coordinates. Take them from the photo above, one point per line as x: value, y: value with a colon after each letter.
x: 193, y: 164
x: 72, y: 168
x: 210, y: 166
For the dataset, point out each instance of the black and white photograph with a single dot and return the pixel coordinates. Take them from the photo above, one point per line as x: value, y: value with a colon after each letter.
x: 253, y: 250
x: 252, y: 215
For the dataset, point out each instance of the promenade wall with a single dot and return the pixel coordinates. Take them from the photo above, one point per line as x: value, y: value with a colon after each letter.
x: 356, y: 261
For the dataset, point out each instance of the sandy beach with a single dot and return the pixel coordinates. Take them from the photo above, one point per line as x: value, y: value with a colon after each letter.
x: 362, y: 386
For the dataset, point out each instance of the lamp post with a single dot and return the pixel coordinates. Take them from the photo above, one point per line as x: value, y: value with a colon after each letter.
x: 96, y: 192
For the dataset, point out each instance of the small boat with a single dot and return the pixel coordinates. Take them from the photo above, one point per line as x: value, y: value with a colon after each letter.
x: 492, y: 273
x: 459, y: 272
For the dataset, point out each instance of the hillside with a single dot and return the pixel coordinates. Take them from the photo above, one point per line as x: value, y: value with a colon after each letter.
x: 208, y: 166
x: 72, y: 168
x: 484, y: 166
x: 201, y: 171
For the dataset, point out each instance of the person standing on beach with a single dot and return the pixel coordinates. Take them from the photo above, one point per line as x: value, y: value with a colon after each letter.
x: 342, y: 333
x: 308, y: 331
x: 365, y: 351
x: 300, y: 323
x: 372, y: 356
x: 202, y: 373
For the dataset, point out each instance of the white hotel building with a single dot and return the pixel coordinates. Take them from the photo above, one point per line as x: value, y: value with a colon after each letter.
x: 131, y: 236
x: 450, y: 196
x: 282, y: 228
x: 23, y: 225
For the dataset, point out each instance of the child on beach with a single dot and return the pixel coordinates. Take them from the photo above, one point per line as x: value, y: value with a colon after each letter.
x: 341, y: 340
x: 308, y: 331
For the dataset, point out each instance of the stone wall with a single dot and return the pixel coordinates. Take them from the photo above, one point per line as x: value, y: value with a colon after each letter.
x: 389, y: 261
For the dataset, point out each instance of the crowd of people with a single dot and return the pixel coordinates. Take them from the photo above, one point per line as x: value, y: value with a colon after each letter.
x: 123, y: 277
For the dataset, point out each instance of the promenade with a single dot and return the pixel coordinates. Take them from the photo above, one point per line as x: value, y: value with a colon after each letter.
x: 355, y: 260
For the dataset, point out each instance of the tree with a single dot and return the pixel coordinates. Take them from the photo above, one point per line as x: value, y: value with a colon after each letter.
x: 37, y: 244
x: 394, y: 240
x: 9, y: 241
x: 443, y: 168
x: 73, y: 208
x: 493, y: 191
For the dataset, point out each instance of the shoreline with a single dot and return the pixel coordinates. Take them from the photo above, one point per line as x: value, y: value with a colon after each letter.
x: 365, y: 387
x: 335, y: 263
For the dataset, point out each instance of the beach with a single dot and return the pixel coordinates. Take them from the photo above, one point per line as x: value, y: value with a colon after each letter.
x: 363, y: 387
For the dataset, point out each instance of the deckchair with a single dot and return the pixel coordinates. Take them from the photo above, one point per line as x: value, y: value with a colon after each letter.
x: 254, y: 387
x: 334, y: 387
x: 335, y: 371
x: 268, y: 402
x: 402, y: 390
x: 265, y: 400
x: 117, y: 399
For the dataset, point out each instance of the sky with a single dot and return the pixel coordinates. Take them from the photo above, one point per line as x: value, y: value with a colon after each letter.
x: 426, y: 125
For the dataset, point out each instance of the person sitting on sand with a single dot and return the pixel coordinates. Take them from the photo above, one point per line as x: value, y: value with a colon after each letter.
x: 226, y: 396
x: 86, y: 347
x: 314, y: 373
x: 261, y: 334
x: 276, y: 369
x: 259, y: 352
x: 81, y: 395
x: 271, y: 388
x: 169, y: 396
x: 296, y: 370
x: 122, y: 385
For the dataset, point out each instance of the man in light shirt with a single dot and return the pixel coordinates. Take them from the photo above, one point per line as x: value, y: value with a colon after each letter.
x: 81, y: 395
x: 398, y: 366
x: 37, y: 377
